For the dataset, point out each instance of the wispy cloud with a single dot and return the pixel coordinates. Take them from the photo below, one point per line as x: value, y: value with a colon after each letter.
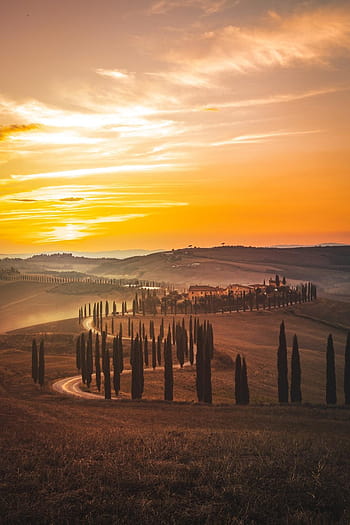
x: 207, y: 6
x: 79, y: 229
x: 70, y: 174
x: 15, y: 129
x: 113, y: 73
x: 311, y: 37
x: 262, y: 137
x: 273, y: 99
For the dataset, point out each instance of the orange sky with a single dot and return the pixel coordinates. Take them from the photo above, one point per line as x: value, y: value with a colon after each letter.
x: 166, y: 123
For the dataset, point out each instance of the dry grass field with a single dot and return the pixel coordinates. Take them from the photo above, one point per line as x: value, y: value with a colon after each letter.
x: 67, y: 460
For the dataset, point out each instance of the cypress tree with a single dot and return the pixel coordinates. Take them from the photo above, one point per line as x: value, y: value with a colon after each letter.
x: 191, y: 353
x: 145, y: 350
x: 244, y: 384
x: 41, y: 364
x: 207, y: 393
x: 295, y: 383
x: 154, y: 353
x: 347, y: 371
x: 168, y: 369
x: 180, y: 354
x: 117, y: 363
x: 282, y: 366
x: 238, y: 376
x: 89, y: 360
x: 106, y: 373
x: 97, y: 362
x: 83, y: 358
x: 137, y: 370
x: 331, y: 387
x: 200, y: 364
x: 159, y: 350
x: 35, y: 365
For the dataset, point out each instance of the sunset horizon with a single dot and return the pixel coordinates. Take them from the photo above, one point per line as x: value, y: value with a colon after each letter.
x: 167, y: 123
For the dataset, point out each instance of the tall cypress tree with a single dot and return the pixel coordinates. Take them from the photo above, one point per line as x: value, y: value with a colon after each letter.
x: 161, y: 329
x: 159, y: 350
x: 154, y: 353
x: 238, y: 376
x: 97, y: 362
x: 244, y: 384
x: 106, y: 372
x: 347, y: 371
x: 200, y: 363
x: 282, y: 366
x: 191, y: 352
x: 180, y: 354
x: 168, y: 369
x: 89, y: 360
x: 331, y: 386
x: 35, y: 370
x: 208, y: 349
x: 41, y: 364
x: 117, y: 363
x: 137, y: 369
x: 295, y: 383
x: 145, y: 350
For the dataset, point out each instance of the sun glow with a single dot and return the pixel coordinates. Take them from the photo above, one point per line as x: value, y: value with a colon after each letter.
x: 237, y: 121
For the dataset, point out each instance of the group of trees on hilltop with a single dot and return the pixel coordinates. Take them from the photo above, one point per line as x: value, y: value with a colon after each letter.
x: 295, y: 393
x: 38, y: 362
x: 148, y: 302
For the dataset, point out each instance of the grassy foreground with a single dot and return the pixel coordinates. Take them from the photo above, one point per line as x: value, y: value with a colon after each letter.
x: 75, y: 461
x: 67, y: 461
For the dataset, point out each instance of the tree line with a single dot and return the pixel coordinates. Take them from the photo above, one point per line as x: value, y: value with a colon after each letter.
x: 148, y: 302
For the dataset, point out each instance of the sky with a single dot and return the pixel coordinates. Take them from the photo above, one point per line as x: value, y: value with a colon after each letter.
x: 159, y: 124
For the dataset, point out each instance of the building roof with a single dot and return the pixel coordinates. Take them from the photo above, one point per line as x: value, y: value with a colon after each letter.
x: 201, y: 288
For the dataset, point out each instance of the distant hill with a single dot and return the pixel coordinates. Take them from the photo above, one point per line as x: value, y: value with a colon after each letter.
x: 327, y: 266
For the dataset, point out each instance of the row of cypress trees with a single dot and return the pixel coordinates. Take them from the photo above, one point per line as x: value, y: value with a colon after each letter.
x: 85, y: 360
x: 38, y: 362
x: 295, y: 386
x: 200, y: 334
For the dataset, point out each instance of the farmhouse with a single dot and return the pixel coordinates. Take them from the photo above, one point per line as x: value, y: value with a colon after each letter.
x: 236, y: 289
x: 204, y: 291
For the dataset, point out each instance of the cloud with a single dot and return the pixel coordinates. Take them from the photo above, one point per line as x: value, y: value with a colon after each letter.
x: 80, y: 229
x: 207, y: 6
x: 113, y: 73
x: 261, y: 137
x: 10, y: 131
x: 313, y: 37
x: 70, y: 174
x: 278, y: 98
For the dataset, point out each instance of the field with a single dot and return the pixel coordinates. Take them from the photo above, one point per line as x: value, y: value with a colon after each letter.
x: 67, y: 460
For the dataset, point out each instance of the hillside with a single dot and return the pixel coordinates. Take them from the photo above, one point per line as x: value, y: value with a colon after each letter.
x: 327, y: 266
x: 91, y: 461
